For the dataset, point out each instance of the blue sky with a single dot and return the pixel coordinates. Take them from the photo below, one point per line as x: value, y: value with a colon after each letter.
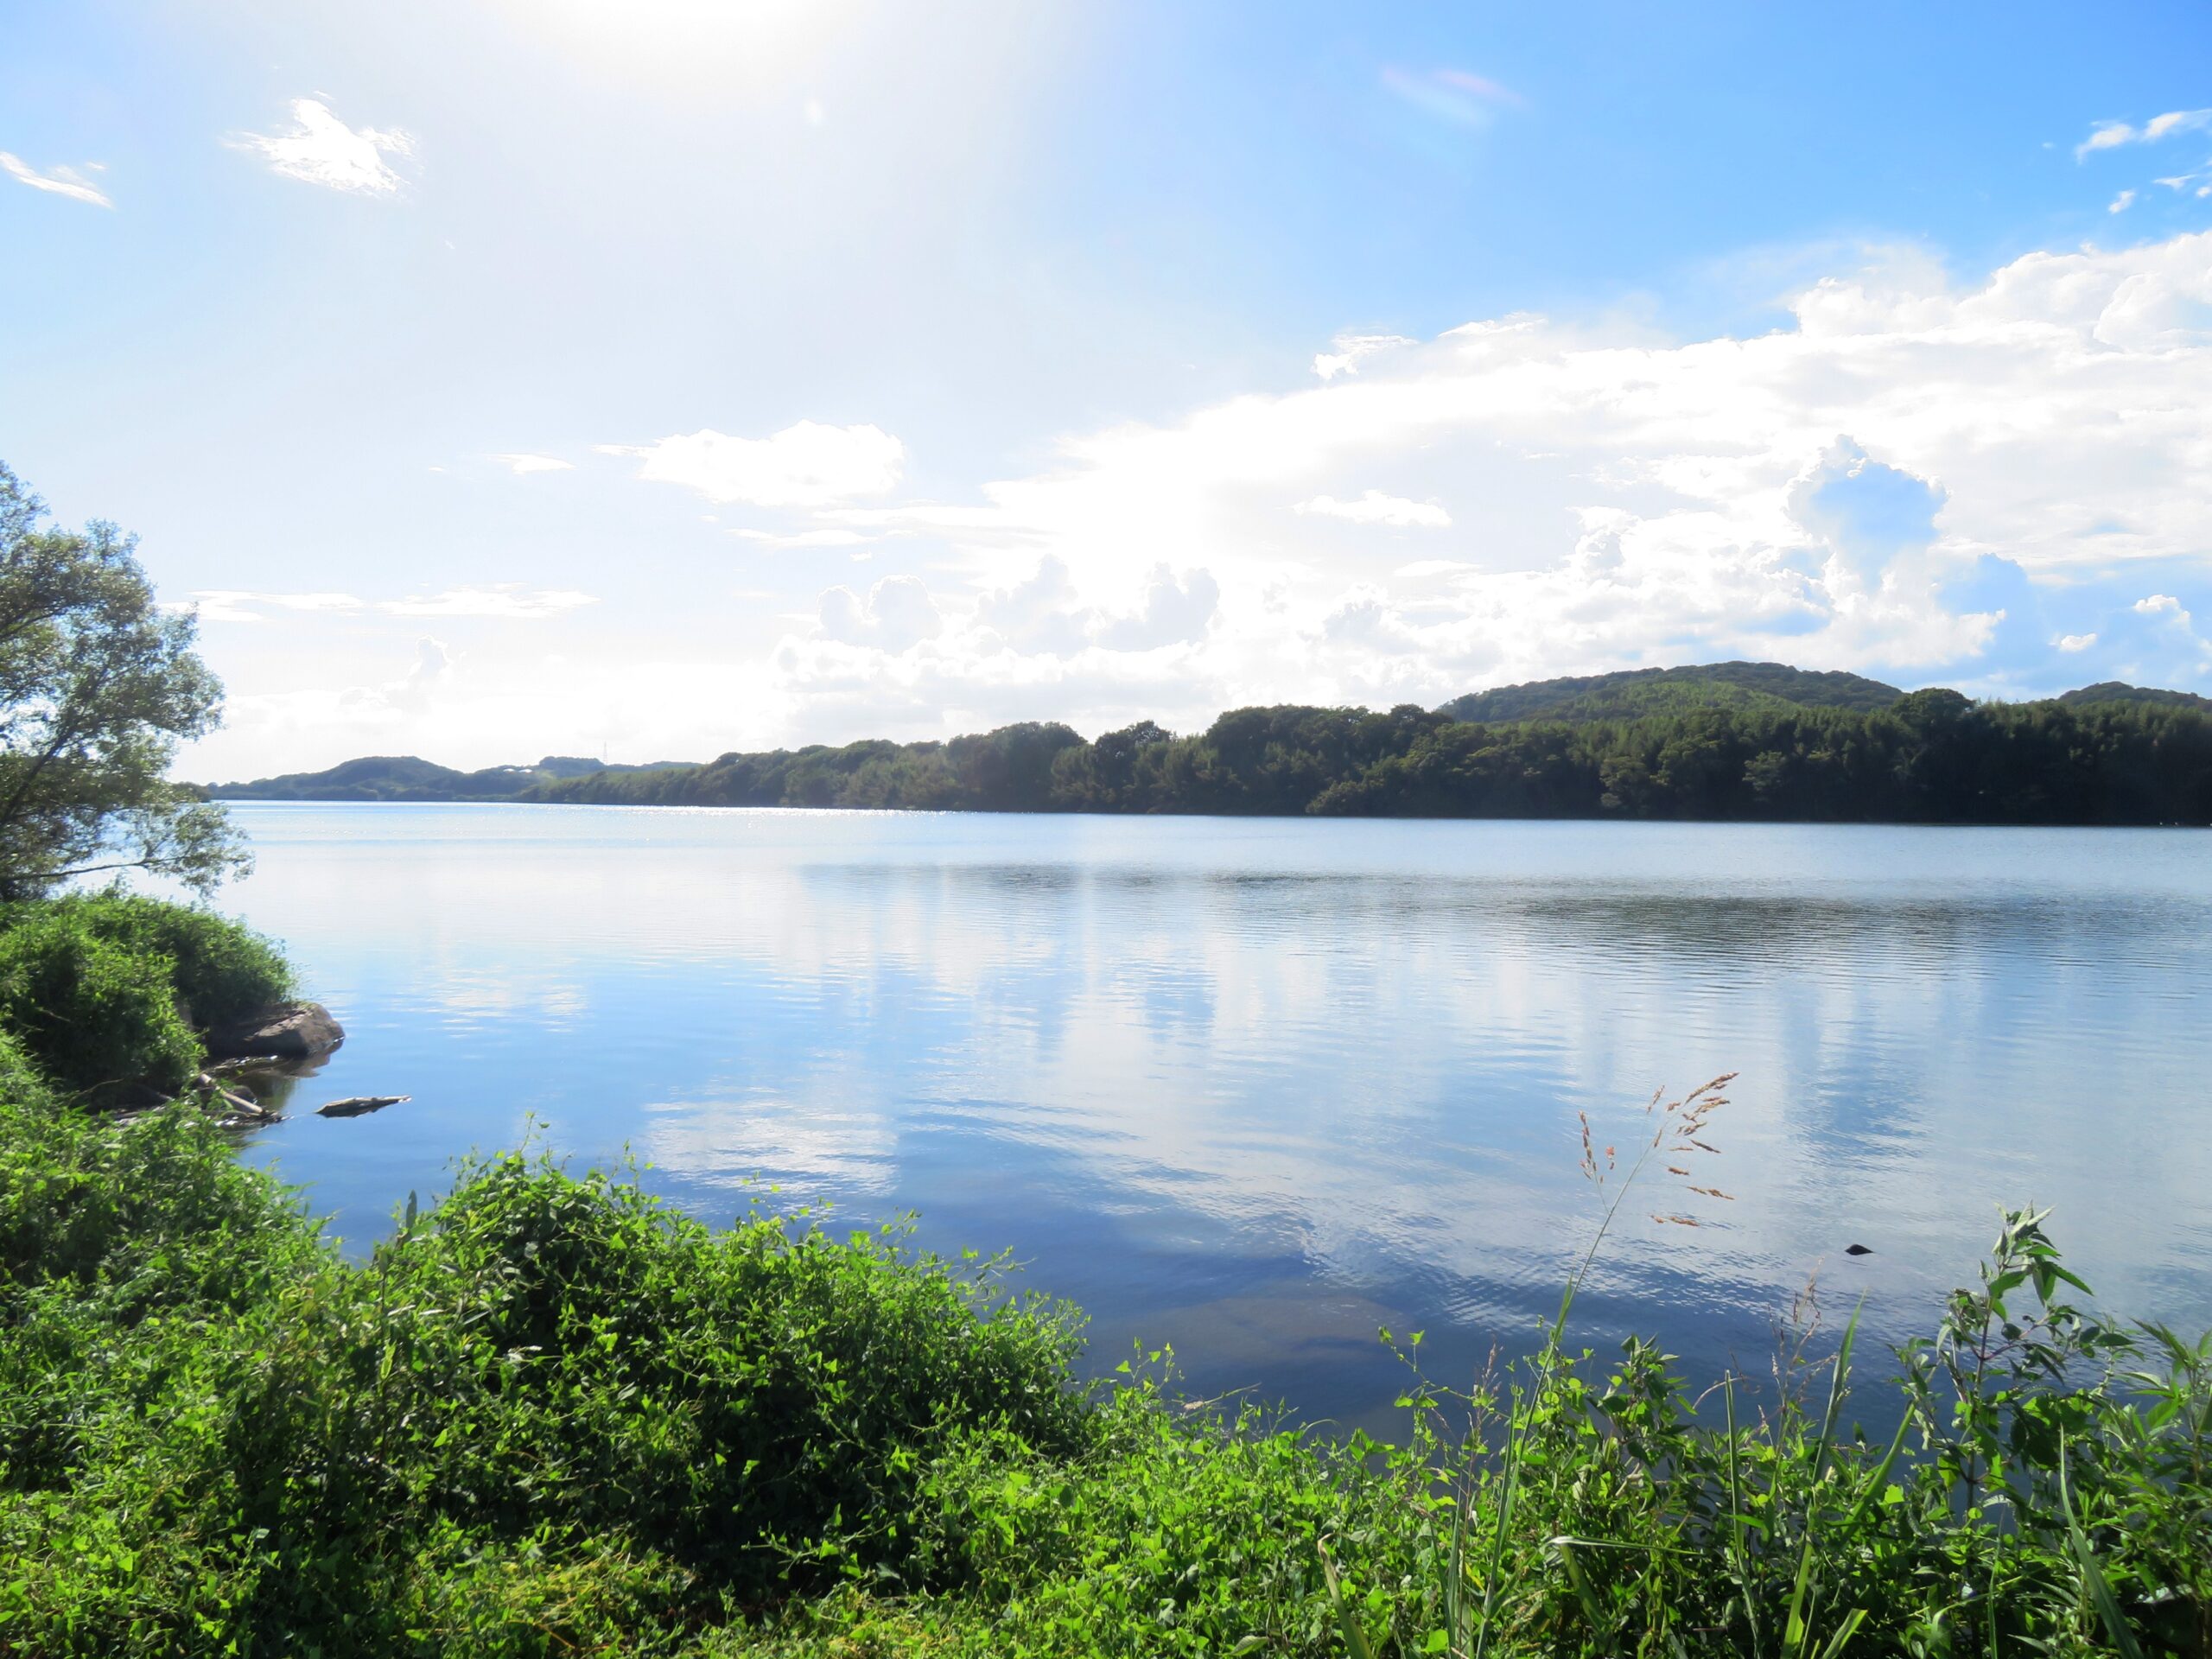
x: 666, y: 377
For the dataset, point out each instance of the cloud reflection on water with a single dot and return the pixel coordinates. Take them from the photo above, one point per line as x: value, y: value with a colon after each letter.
x: 1222, y: 1081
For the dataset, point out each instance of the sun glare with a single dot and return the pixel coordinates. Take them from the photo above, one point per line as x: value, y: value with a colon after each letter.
x: 675, y: 41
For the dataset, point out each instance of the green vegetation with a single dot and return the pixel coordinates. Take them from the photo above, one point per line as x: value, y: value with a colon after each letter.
x: 1672, y: 691
x: 2120, y: 691
x: 1931, y: 757
x: 549, y: 1416
x: 404, y: 777
x: 105, y: 994
x: 98, y: 686
x: 1728, y: 742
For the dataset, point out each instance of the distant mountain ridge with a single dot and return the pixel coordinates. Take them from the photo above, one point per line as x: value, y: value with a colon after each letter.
x: 1641, y: 691
x: 409, y: 778
x: 2120, y: 691
x: 1640, y: 708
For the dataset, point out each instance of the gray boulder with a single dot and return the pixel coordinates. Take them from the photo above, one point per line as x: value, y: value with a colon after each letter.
x: 287, y: 1031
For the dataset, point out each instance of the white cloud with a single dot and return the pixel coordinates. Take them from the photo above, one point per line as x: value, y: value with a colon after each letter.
x: 1455, y: 96
x: 2121, y: 202
x: 805, y: 465
x: 2111, y: 134
x: 61, y: 181
x: 1375, y: 508
x: 234, y: 605
x: 1176, y: 610
x: 1347, y: 350
x: 523, y: 465
x: 503, y: 600
x: 1974, y: 482
x: 804, y: 538
x: 1922, y: 479
x: 897, y: 615
x: 320, y: 149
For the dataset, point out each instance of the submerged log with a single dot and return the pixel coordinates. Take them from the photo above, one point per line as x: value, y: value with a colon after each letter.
x: 357, y: 1105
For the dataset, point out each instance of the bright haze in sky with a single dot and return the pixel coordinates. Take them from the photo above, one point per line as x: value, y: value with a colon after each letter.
x: 663, y: 377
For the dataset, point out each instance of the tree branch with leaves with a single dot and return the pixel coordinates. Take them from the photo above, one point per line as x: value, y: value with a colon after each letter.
x: 98, y: 685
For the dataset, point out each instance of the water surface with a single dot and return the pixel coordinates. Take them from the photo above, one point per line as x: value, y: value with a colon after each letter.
x: 1258, y: 1088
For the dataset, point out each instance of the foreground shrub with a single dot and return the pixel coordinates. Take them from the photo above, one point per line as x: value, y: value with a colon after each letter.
x: 551, y: 1416
x: 93, y: 1015
x: 222, y: 968
x: 102, y: 991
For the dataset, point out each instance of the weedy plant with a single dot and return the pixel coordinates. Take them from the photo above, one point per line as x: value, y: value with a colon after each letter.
x: 550, y: 1416
x: 2044, y: 1489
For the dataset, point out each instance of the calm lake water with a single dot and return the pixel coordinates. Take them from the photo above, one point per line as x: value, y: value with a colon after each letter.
x: 1257, y: 1088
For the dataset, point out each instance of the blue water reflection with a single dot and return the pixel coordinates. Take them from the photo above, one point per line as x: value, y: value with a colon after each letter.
x: 1257, y: 1088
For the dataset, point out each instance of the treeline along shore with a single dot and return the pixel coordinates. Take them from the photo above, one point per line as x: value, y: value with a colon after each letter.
x: 1722, y: 743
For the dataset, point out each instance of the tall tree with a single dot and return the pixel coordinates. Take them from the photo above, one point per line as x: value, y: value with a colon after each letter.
x: 98, y: 686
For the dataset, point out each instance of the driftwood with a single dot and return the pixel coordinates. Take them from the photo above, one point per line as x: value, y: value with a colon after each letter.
x: 357, y: 1105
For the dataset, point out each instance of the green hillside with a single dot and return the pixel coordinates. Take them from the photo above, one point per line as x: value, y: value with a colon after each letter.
x: 2119, y: 692
x: 1644, y: 691
x: 409, y: 778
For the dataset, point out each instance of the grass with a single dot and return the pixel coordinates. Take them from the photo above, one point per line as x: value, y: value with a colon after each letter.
x: 549, y: 1416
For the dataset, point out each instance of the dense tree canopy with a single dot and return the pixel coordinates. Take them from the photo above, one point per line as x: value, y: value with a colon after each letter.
x: 1928, y: 756
x: 98, y: 685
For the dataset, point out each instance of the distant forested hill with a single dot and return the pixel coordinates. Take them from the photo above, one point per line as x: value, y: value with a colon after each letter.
x: 1750, y: 741
x: 1672, y: 690
x: 2118, y: 691
x: 1929, y: 757
x: 405, y: 777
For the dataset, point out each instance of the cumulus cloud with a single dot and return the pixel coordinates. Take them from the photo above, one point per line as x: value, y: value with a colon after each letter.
x: 1930, y: 479
x: 413, y: 692
x: 805, y: 465
x: 60, y: 180
x: 1346, y: 351
x: 2111, y: 134
x: 1176, y: 610
x: 1993, y: 483
x: 1375, y: 508
x: 320, y: 149
x: 897, y: 615
x: 1039, y: 613
x: 523, y: 465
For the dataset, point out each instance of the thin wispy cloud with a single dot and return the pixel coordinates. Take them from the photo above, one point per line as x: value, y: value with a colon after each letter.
x: 59, y: 180
x: 1375, y: 508
x: 523, y: 465
x: 2111, y: 135
x: 2121, y: 202
x: 804, y: 538
x: 806, y: 465
x: 502, y: 600
x: 237, y: 605
x: 1457, y: 95
x: 320, y: 149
